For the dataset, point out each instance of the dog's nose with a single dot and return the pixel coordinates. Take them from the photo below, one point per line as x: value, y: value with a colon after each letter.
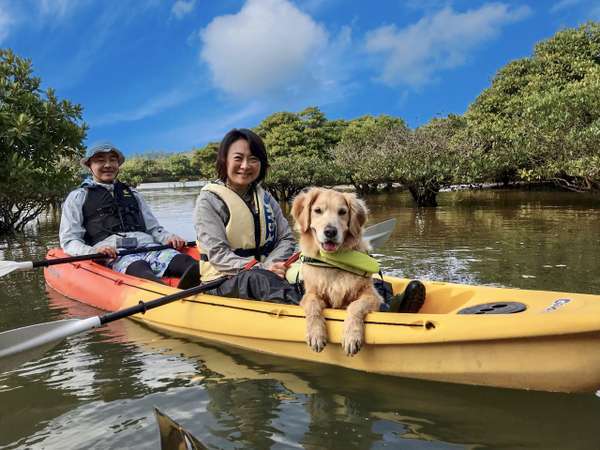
x: 330, y: 232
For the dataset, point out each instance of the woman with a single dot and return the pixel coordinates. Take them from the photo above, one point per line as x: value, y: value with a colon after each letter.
x: 241, y: 231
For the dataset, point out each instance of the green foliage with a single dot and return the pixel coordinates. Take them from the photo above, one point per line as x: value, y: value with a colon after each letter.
x: 307, y: 133
x: 153, y: 167
x: 40, y: 144
x: 360, y: 155
x: 428, y: 158
x: 290, y: 174
x: 299, y: 147
x: 179, y: 166
x: 138, y: 169
x: 540, y: 119
x: 204, y: 161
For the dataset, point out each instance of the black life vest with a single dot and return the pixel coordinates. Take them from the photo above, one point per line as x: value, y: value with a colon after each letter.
x: 105, y: 214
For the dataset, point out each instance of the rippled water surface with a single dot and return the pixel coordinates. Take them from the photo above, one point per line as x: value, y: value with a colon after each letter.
x: 98, y: 390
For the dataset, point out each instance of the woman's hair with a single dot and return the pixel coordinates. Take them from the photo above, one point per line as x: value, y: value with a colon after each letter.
x: 257, y: 148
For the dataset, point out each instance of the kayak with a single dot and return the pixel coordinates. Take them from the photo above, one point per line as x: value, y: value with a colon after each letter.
x: 479, y: 335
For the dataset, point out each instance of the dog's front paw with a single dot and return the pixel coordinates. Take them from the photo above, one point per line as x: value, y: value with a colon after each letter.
x: 316, y: 338
x: 352, y: 341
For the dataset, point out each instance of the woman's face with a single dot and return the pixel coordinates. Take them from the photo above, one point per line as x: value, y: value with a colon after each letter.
x: 242, y: 166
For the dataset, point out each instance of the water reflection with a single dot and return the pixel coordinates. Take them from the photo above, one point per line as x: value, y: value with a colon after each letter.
x: 232, y: 398
x: 98, y: 390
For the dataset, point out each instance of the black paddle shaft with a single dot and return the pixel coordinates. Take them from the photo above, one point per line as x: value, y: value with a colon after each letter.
x: 142, y: 307
x: 52, y: 262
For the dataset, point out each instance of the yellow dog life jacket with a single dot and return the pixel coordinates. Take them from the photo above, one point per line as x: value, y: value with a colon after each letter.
x: 243, y: 227
x: 352, y: 261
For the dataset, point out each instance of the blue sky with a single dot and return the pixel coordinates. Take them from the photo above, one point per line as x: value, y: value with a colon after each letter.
x: 169, y: 75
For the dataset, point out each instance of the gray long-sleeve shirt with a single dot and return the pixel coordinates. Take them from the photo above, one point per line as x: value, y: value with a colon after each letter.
x: 72, y: 232
x: 210, y: 218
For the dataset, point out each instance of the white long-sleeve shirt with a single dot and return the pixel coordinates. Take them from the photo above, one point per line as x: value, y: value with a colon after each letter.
x: 72, y: 232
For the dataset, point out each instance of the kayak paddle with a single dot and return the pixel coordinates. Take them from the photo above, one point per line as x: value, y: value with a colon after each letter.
x: 22, y: 344
x: 376, y: 235
x: 7, y: 267
x: 26, y: 343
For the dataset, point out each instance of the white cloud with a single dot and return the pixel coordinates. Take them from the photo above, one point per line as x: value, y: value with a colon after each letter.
x: 426, y: 5
x: 92, y: 44
x: 57, y: 9
x: 564, y: 4
x: 182, y: 8
x: 215, y: 128
x: 107, y: 26
x: 413, y: 55
x: 15, y: 14
x: 267, y: 47
x: 313, y: 6
x: 6, y: 23
x: 149, y: 108
x: 209, y: 128
x: 585, y: 9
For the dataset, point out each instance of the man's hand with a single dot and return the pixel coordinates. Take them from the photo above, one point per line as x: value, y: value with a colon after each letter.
x: 108, y: 251
x: 278, y: 268
x: 176, y: 242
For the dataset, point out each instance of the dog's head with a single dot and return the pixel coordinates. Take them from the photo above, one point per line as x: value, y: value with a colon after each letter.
x: 334, y: 219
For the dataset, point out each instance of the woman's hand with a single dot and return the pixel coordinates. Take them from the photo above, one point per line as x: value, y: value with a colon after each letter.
x: 278, y: 268
x: 176, y: 242
x: 108, y: 251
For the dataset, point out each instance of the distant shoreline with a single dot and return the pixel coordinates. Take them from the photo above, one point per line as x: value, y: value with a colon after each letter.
x: 350, y: 188
x: 171, y: 185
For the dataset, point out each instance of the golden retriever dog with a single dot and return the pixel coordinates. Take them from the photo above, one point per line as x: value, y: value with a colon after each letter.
x: 329, y: 220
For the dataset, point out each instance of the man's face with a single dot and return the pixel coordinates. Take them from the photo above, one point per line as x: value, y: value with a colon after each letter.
x: 104, y: 167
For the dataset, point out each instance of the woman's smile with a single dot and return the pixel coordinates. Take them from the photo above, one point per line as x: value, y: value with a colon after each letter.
x: 243, y: 167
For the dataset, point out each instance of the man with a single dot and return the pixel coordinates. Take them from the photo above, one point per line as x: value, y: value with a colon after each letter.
x: 104, y: 214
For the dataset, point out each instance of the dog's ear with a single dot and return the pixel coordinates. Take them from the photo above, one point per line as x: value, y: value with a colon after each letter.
x: 301, y: 208
x: 358, y: 214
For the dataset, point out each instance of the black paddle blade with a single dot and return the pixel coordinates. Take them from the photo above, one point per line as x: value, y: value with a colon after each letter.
x: 173, y: 436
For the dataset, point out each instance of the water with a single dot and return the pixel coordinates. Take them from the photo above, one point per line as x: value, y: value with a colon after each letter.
x: 99, y: 390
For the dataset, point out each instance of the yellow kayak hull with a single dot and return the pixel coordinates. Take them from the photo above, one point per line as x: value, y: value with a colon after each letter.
x: 551, y: 346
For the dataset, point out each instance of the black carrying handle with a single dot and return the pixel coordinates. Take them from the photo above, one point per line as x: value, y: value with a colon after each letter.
x: 52, y: 262
x: 142, y: 307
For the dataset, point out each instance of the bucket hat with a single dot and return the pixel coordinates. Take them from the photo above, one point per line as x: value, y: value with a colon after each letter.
x: 104, y: 147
